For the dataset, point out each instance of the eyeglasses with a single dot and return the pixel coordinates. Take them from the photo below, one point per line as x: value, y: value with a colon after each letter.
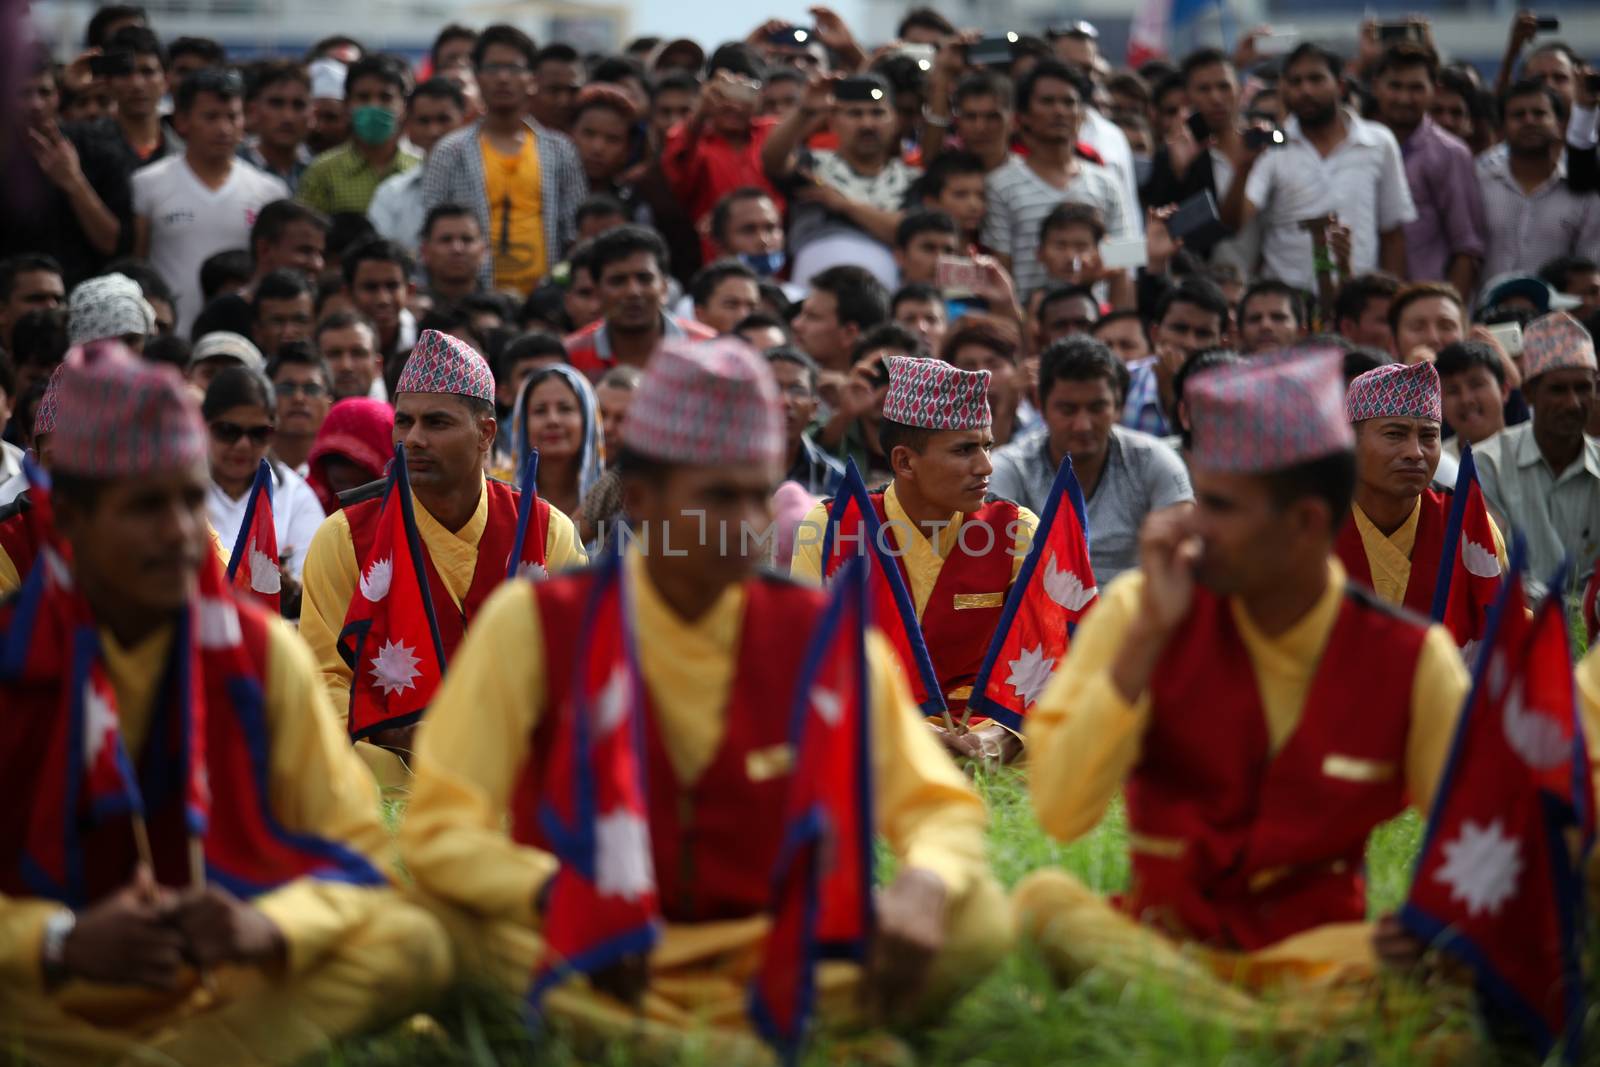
x: 309, y: 390
x: 228, y: 433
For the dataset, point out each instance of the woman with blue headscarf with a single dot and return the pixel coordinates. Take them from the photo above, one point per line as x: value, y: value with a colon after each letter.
x: 557, y: 414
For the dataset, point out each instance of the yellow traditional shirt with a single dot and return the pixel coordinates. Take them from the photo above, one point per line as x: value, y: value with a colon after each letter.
x: 1588, y: 677
x: 1389, y: 555
x: 315, y: 785
x: 475, y: 738
x: 516, y: 220
x: 1084, y: 738
x: 332, y: 573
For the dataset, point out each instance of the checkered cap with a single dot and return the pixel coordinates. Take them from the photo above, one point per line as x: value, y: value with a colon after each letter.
x: 118, y: 416
x: 441, y: 363
x: 1395, y: 390
x: 934, y: 395
x: 1269, y: 412
x: 1555, y: 341
x: 44, y: 416
x: 706, y: 403
x: 111, y: 305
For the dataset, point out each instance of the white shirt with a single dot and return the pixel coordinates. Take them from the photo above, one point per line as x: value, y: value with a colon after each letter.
x: 397, y: 211
x: 1108, y: 140
x: 1526, y: 230
x: 190, y: 222
x: 296, y: 514
x: 1020, y: 200
x: 12, y: 480
x: 1362, y: 181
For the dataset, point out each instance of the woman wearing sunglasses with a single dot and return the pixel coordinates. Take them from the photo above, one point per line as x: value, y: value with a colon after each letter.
x: 240, y: 410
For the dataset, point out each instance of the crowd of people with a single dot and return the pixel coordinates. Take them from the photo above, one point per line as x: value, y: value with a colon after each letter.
x: 1270, y: 308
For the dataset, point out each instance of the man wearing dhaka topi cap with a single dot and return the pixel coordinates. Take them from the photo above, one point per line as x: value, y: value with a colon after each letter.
x: 467, y: 523
x: 1260, y: 714
x: 719, y: 648
x: 214, y: 886
x: 1395, y: 535
x: 958, y: 547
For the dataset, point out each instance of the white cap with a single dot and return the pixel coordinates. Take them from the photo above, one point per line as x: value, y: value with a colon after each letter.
x: 327, y: 79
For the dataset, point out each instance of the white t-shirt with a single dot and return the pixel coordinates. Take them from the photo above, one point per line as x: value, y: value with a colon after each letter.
x: 296, y: 514
x: 189, y: 221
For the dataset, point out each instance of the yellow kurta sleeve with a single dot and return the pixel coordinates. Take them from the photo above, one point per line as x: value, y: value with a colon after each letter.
x: 21, y: 940
x: 470, y: 748
x: 329, y: 578
x: 10, y: 580
x: 316, y: 786
x: 806, y: 564
x: 562, y: 549
x: 1083, y: 737
x: 1437, y: 691
x: 1588, y: 677
x: 926, y: 809
x: 1027, y: 529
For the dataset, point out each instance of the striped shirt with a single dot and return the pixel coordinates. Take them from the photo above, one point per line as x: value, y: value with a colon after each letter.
x: 1019, y: 202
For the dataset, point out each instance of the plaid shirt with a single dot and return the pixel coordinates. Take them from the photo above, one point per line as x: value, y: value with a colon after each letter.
x: 340, y: 180
x: 251, y: 154
x: 1142, y: 409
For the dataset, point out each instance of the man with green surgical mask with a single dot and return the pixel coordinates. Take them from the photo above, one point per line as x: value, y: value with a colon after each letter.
x: 343, y: 179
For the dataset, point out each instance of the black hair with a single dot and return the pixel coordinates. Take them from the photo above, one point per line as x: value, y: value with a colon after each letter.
x: 791, y: 354
x: 892, y: 434
x: 1354, y: 295
x: 375, y: 250
x: 24, y: 263
x: 544, y: 305
x: 276, y: 218
x: 39, y: 337
x: 1199, y: 59
x: 1403, y: 55
x: 1122, y: 315
x: 1559, y: 271
x: 1358, y: 359
x: 924, y: 18
x: 139, y: 41
x: 1273, y: 287
x: 859, y: 297
x: 1203, y: 360
x: 937, y: 174
x: 438, y: 89
x: 534, y: 344
x: 924, y: 220
x: 8, y: 377
x: 279, y: 285
x: 761, y: 320
x: 446, y: 211
x: 1322, y: 54
x: 1330, y: 479
x: 724, y: 210
x: 347, y: 229
x: 614, y: 70
x: 232, y: 266
x: 388, y: 69
x: 149, y: 280
x: 1081, y: 359
x: 1167, y: 85
x: 784, y: 74
x: 452, y: 32
x: 1072, y: 213
x: 94, y: 35
x: 556, y: 52
x: 983, y: 331
x: 1196, y: 292
x: 707, y: 278
x: 888, y: 335
x: 223, y: 84
x: 237, y: 387
x: 902, y: 73
x: 736, y: 57
x: 298, y: 354
x: 918, y: 291
x: 599, y: 206
x: 1458, y: 357
x: 211, y: 53
x: 270, y: 72
x: 501, y: 305
x: 624, y: 241
x: 680, y: 81
x: 506, y: 36
x: 773, y: 296
x: 1054, y: 70
x: 982, y: 83
x: 170, y: 349
x: 1127, y: 83
x: 343, y: 320
x: 1055, y: 293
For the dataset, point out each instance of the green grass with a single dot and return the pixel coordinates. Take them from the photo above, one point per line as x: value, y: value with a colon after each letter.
x: 1016, y: 1016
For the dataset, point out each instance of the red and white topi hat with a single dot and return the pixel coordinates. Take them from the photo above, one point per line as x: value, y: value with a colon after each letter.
x: 117, y: 415
x: 441, y: 363
x: 706, y: 403
x: 1395, y: 391
x: 931, y: 394
x: 1269, y: 412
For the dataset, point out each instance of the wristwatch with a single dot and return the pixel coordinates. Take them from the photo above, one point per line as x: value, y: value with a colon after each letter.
x: 934, y: 120
x: 52, y: 952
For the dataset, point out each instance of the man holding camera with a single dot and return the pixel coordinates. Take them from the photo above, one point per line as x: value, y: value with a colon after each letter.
x: 1330, y: 162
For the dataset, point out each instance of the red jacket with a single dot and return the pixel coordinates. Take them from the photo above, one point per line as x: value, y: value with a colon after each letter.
x: 1425, y: 552
x: 1239, y: 847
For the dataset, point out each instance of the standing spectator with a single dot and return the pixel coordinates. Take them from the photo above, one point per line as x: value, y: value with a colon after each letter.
x: 1124, y: 474
x: 1023, y: 192
x: 970, y: 111
x: 847, y: 203
x: 344, y: 179
x: 69, y: 195
x: 1191, y: 318
x: 1332, y: 163
x: 953, y: 183
x: 606, y: 135
x: 844, y: 304
x: 1445, y: 243
x: 185, y: 55
x: 747, y: 225
x: 277, y: 106
x: 1543, y: 477
x: 804, y: 463
x: 281, y: 311
x: 29, y: 282
x: 672, y: 100
x: 723, y: 294
x: 453, y: 252
x: 921, y: 309
x: 1361, y: 310
x: 349, y: 347
x: 377, y: 282
x: 135, y: 134
x: 1272, y: 315
x: 920, y: 241
x: 286, y: 235
x: 1424, y: 318
x: 558, y: 75
x: 630, y: 267
x: 204, y: 201
x: 301, y: 383
x: 1577, y: 277
x: 1532, y: 214
x: 1061, y: 311
x: 523, y: 180
x: 434, y: 108
x: 1123, y: 332
x: 330, y: 120
x: 452, y: 48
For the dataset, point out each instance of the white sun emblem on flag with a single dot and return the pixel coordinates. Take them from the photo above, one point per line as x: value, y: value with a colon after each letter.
x: 1030, y: 672
x: 375, y: 583
x: 1534, y: 735
x: 1479, y: 561
x: 1066, y: 588
x: 99, y: 722
x: 394, y: 668
x: 1481, y: 867
x: 531, y: 571
x: 265, y: 577
x: 828, y: 704
x: 622, y: 856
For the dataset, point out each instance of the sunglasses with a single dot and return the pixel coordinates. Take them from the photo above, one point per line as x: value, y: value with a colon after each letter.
x: 228, y: 433
x: 306, y: 389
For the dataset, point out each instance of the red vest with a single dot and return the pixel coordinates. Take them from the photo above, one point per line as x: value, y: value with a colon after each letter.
x: 494, y: 552
x: 1425, y: 552
x: 1239, y: 848
x: 15, y: 536
x: 714, y: 841
x: 976, y: 573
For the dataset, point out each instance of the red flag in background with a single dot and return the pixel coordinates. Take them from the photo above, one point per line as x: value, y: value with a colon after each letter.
x: 1052, y: 592
x: 1469, y: 570
x: 253, y: 566
x: 1496, y: 883
x: 533, y: 525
